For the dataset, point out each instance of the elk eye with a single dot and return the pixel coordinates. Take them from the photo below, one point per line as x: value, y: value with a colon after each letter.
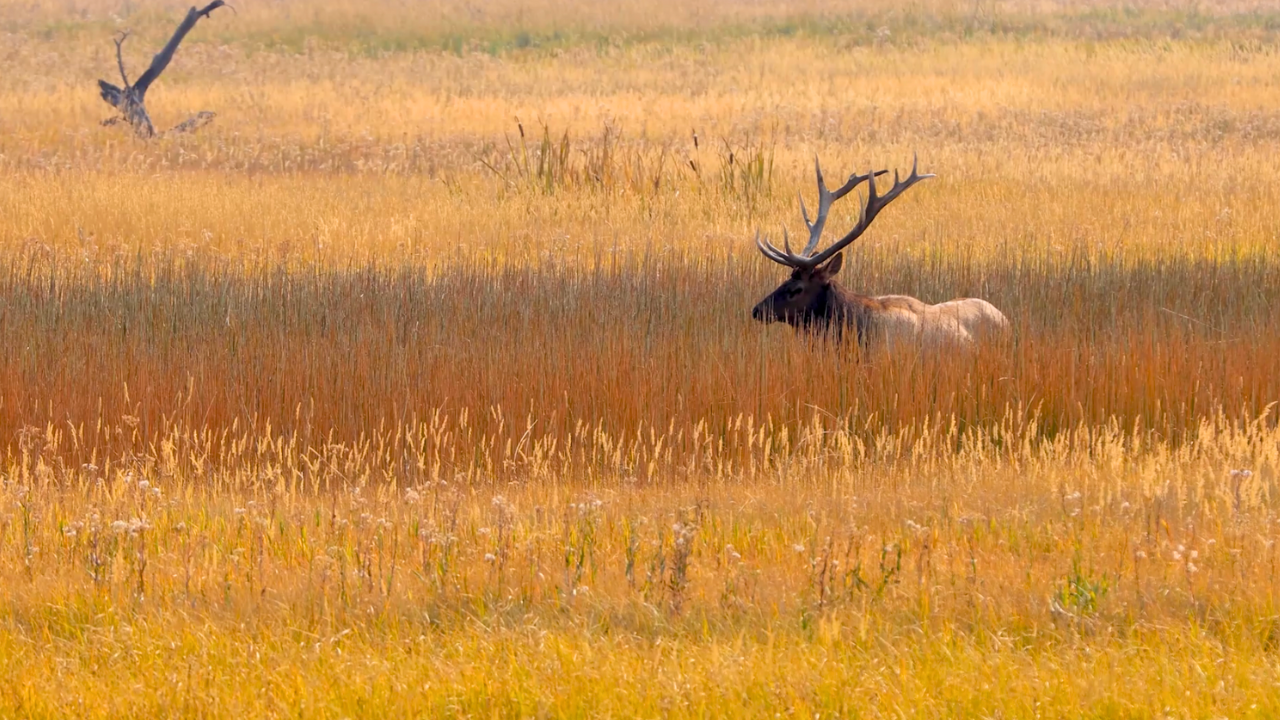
x: 793, y: 291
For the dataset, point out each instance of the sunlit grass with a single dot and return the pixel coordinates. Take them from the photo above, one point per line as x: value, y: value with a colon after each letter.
x: 934, y: 573
x: 422, y: 381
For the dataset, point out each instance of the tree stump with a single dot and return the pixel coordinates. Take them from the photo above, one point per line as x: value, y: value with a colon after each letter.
x: 130, y: 99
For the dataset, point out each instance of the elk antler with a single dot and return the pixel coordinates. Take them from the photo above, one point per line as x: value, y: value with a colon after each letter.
x: 874, y: 204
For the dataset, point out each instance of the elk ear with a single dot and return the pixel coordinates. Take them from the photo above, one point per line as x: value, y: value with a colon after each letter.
x: 833, y: 267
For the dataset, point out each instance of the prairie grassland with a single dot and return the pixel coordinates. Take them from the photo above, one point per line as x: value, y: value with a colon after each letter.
x: 932, y: 576
x: 422, y: 381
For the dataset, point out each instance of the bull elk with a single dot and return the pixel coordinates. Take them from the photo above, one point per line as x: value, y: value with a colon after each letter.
x: 812, y: 301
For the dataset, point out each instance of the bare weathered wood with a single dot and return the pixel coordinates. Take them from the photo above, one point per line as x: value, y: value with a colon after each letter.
x: 193, y: 123
x: 124, y: 77
x: 130, y: 99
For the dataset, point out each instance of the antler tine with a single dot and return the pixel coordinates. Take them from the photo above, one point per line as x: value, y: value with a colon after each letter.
x: 825, y: 198
x: 915, y: 160
x: 768, y: 250
x: 854, y: 181
x: 822, y: 186
x: 870, y: 209
x: 867, y: 212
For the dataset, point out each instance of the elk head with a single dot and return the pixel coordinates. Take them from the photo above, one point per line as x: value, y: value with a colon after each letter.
x: 804, y: 298
x: 809, y: 299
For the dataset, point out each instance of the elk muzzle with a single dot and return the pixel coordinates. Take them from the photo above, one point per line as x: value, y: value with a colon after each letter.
x: 762, y: 312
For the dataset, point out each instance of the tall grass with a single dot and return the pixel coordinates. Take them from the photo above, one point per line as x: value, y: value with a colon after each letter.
x: 630, y: 346
x: 423, y: 381
x: 946, y: 573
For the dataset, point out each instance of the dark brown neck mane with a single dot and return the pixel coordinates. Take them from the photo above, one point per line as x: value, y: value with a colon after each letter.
x: 835, y: 310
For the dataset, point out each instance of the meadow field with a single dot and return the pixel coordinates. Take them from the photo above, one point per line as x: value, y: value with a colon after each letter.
x: 422, y: 381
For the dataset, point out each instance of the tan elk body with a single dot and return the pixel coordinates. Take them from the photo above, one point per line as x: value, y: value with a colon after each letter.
x: 811, y: 300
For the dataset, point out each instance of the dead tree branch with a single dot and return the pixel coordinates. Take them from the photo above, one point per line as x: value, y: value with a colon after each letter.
x: 124, y: 78
x: 130, y: 99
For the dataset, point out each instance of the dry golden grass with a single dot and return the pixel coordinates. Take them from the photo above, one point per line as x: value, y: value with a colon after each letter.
x: 944, y: 575
x: 422, y: 381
